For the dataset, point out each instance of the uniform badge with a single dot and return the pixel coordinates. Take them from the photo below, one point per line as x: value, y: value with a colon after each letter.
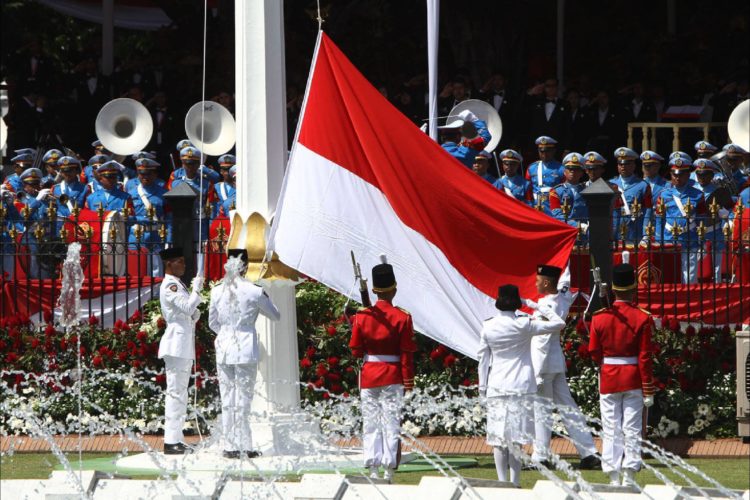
x: 173, y: 287
x: 646, y: 156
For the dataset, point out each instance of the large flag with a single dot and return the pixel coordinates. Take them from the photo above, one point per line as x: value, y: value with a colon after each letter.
x: 362, y: 177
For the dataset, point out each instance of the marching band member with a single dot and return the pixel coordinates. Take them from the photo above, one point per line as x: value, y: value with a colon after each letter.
x: 651, y: 163
x: 620, y: 343
x: 232, y: 314
x: 384, y: 336
x: 506, y: 376
x: 110, y: 196
x: 512, y: 182
x: 70, y: 186
x: 704, y: 172
x: 463, y: 149
x: 192, y: 173
x: 631, y: 189
x: 49, y: 160
x: 546, y: 173
x: 90, y: 175
x: 481, y: 166
x: 704, y: 149
x: 568, y: 194
x: 24, y: 159
x: 225, y: 189
x: 150, y: 212
x: 179, y: 307
x: 135, y: 180
x: 32, y: 206
x: 549, y: 369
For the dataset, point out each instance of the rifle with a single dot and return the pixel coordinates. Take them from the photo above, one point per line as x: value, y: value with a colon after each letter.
x: 363, y: 292
x: 598, y: 282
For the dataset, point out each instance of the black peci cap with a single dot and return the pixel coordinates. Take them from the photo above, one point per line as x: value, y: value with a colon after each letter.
x: 623, y: 278
x: 508, y: 298
x: 171, y: 253
x: 548, y: 271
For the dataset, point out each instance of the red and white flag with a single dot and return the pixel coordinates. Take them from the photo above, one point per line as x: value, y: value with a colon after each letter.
x: 362, y: 177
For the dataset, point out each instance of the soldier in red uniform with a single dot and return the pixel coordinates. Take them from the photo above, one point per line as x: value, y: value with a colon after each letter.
x: 621, y: 343
x: 383, y: 335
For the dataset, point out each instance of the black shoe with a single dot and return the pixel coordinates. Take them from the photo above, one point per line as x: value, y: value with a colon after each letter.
x: 590, y: 462
x: 253, y: 454
x: 236, y: 454
x: 545, y: 463
x: 177, y: 449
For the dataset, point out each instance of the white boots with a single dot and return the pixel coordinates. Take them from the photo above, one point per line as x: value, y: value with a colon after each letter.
x: 373, y: 472
x: 614, y: 478
x: 628, y: 477
x: 387, y: 473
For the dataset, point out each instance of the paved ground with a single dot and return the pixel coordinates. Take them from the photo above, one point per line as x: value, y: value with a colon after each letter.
x: 719, y: 448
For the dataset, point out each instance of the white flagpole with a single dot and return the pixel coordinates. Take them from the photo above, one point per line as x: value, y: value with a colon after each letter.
x: 433, y: 18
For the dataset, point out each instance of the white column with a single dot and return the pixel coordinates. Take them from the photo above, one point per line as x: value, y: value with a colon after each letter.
x: 260, y: 103
x: 433, y: 37
x: 108, y: 35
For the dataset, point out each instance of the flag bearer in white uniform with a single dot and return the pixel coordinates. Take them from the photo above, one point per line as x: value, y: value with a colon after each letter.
x: 179, y: 307
x: 549, y: 368
x: 235, y: 304
x: 621, y: 343
x: 506, y: 376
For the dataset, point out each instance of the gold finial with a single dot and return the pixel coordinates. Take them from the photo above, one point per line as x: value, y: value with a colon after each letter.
x: 740, y: 208
x: 676, y: 230
x: 701, y: 230
x: 3, y: 212
x: 26, y: 212
x: 151, y: 212
x: 112, y: 232
x: 13, y: 233
x: 39, y: 232
x: 88, y: 232
x: 727, y: 232
x: 579, y: 236
x: 51, y: 212
x: 635, y: 208
x: 163, y: 232
x: 76, y: 210
x: 623, y: 230
x: 63, y: 234
x: 661, y: 207
x: 650, y: 230
x: 566, y: 208
x: 221, y: 233
x: 539, y: 206
x: 713, y: 208
x: 688, y: 208
x: 138, y: 233
x: 126, y: 212
x: 100, y: 211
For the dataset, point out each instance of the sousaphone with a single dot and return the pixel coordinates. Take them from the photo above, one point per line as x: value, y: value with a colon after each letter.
x: 216, y: 136
x: 124, y: 126
x: 738, y: 126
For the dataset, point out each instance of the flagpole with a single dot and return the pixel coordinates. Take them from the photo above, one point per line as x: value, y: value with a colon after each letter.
x: 433, y: 28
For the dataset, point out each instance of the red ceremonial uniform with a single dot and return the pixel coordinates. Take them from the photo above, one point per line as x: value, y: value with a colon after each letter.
x: 623, y: 331
x: 384, y: 329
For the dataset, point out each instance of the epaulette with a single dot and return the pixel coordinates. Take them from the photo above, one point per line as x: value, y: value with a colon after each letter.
x: 643, y: 310
x: 403, y: 310
x: 599, y: 311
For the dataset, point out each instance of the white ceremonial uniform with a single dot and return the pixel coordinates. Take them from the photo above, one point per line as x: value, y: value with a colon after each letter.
x: 549, y: 369
x: 179, y: 307
x: 506, y: 373
x: 237, y: 354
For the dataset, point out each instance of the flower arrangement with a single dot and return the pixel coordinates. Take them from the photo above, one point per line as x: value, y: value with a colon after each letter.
x: 124, y: 381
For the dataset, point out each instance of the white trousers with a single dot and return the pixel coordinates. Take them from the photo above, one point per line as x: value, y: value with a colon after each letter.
x: 176, y: 397
x: 381, y: 424
x: 689, y: 266
x: 236, y: 385
x: 622, y: 414
x: 555, y: 389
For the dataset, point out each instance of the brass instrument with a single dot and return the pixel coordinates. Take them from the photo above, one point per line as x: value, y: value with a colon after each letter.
x: 63, y: 198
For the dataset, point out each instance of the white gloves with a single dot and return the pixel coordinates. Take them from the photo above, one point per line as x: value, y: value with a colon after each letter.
x: 530, y: 304
x: 42, y: 194
x: 467, y: 116
x: 648, y: 401
x: 197, y: 284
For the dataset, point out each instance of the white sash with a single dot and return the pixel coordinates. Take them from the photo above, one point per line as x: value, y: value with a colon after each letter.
x: 144, y: 197
x: 507, y: 190
x: 625, y: 207
x: 679, y: 204
x: 223, y: 191
x: 539, y: 174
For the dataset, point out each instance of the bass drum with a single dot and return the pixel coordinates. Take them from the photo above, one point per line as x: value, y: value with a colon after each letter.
x: 114, y: 245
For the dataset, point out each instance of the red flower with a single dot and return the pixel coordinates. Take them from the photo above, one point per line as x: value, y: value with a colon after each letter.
x: 93, y: 321
x: 136, y: 317
x: 331, y: 330
x: 49, y: 330
x: 321, y: 369
x: 103, y: 349
x: 674, y: 325
x: 122, y: 356
x: 3, y: 345
x: 333, y: 361
x: 136, y: 363
x: 115, y: 330
x: 349, y: 369
x: 19, y: 379
x: 466, y: 382
x: 581, y: 328
x: 141, y: 336
x: 583, y: 351
x: 345, y: 394
x: 161, y: 323
x: 198, y: 382
x: 326, y: 395
x: 568, y: 346
x: 11, y: 357
x: 131, y: 345
x: 305, y: 362
x: 333, y: 377
x: 435, y: 354
x: 568, y: 364
x: 161, y: 379
x: 337, y: 388
x: 47, y: 315
x: 83, y: 350
x: 97, y: 360
x: 310, y: 352
x: 34, y: 343
x: 319, y: 383
x: 118, y: 323
x: 63, y: 344
x: 449, y: 360
x: 125, y: 327
x: 442, y: 349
